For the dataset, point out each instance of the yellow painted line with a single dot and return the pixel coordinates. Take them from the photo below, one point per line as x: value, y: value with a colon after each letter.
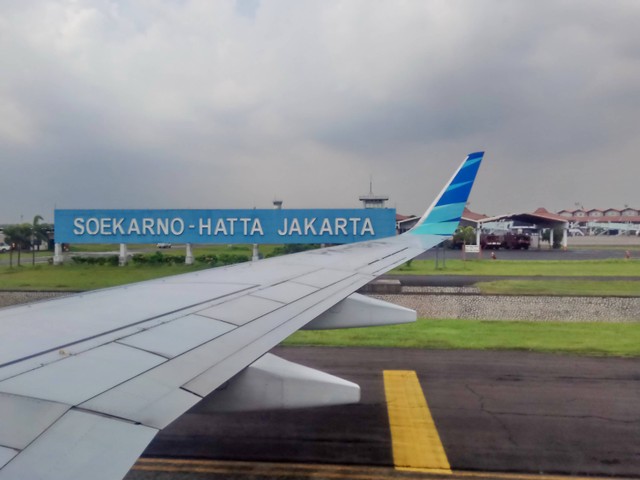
x: 323, y: 471
x: 271, y: 470
x: 414, y: 439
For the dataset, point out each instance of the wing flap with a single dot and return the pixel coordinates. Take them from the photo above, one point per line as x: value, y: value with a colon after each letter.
x: 144, y: 401
x: 178, y: 336
x: 35, y: 329
x: 6, y: 454
x: 387, y: 263
x: 241, y: 310
x: 77, y: 378
x: 244, y: 345
x: 286, y: 292
x: 323, y: 278
x: 156, y: 397
x: 22, y: 419
x: 80, y: 445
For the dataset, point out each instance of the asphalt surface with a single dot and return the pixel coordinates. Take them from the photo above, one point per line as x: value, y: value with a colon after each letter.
x: 469, y: 280
x: 495, y: 412
x: 536, y: 254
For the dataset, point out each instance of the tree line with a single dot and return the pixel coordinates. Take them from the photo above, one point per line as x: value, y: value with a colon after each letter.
x: 25, y: 236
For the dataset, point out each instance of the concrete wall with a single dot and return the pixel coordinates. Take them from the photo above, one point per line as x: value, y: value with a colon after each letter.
x: 605, y: 240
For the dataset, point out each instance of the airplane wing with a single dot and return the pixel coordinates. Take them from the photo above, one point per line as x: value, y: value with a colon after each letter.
x: 86, y: 381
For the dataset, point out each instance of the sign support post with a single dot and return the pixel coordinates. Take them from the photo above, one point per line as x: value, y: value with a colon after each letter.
x: 122, y: 258
x: 57, y: 254
x: 188, y: 258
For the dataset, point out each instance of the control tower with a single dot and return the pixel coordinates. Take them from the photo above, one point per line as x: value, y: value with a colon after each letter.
x: 371, y: 200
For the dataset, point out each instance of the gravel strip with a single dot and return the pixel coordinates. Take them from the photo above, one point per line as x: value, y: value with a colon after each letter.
x: 465, y: 302
x: 430, y: 304
x: 15, y: 298
x: 442, y: 290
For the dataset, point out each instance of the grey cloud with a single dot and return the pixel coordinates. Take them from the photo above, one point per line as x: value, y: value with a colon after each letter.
x: 206, y: 104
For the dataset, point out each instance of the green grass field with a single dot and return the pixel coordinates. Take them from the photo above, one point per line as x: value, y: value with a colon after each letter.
x: 619, y: 339
x: 600, y: 288
x: 83, y: 277
x: 25, y: 255
x: 87, y: 277
x: 600, y: 339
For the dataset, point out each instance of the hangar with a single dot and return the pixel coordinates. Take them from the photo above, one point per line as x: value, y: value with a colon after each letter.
x: 540, y: 219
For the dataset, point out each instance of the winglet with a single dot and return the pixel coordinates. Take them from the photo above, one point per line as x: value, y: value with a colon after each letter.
x: 443, y: 216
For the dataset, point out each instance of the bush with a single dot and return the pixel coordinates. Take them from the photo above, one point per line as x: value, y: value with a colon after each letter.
x: 230, y: 259
x: 111, y: 260
x: 211, y: 260
x: 175, y: 259
x: 158, y: 258
x: 292, y: 248
x: 139, y: 259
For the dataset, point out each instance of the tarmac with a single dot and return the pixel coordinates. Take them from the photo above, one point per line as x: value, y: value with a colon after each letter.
x: 498, y: 415
x: 469, y: 280
x: 544, y: 253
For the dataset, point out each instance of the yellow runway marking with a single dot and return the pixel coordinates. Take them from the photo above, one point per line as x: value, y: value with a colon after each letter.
x: 414, y: 439
x: 272, y: 470
x: 315, y: 471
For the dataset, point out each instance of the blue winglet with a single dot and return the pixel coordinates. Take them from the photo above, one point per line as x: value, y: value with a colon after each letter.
x: 443, y: 217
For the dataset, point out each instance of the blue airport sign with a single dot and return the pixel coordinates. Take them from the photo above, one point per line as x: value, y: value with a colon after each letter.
x: 223, y: 226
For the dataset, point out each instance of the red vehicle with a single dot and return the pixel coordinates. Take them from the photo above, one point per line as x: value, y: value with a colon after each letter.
x: 490, y: 241
x: 516, y: 241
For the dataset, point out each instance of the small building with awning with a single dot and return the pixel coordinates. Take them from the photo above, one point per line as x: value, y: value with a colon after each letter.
x: 540, y: 219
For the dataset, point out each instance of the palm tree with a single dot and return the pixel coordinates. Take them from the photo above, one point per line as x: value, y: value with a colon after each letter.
x: 38, y: 232
x: 19, y: 236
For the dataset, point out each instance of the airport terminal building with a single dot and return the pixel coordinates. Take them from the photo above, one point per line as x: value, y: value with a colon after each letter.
x: 604, y: 221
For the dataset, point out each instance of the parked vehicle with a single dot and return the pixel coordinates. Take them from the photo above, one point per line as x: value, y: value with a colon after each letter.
x: 4, y: 247
x: 516, y: 241
x: 490, y: 241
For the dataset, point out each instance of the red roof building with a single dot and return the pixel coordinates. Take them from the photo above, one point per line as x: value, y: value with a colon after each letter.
x: 613, y: 215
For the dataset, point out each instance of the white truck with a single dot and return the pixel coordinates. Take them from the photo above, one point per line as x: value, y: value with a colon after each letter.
x: 4, y: 247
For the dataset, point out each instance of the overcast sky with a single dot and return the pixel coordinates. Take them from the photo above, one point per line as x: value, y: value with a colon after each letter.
x: 227, y: 104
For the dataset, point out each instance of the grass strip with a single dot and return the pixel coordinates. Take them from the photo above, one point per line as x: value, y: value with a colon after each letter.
x: 83, y: 277
x: 86, y: 277
x: 584, y: 338
x: 597, y: 288
x: 569, y: 268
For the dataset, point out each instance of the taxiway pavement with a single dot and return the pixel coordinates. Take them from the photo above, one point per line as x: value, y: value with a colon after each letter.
x: 494, y: 411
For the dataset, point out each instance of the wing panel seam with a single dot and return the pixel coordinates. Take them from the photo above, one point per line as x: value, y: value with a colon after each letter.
x: 387, y: 256
x: 123, y: 327
x: 141, y: 349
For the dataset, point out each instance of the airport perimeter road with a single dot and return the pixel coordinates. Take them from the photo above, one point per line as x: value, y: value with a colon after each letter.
x: 469, y: 280
x: 494, y: 412
x: 535, y: 254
